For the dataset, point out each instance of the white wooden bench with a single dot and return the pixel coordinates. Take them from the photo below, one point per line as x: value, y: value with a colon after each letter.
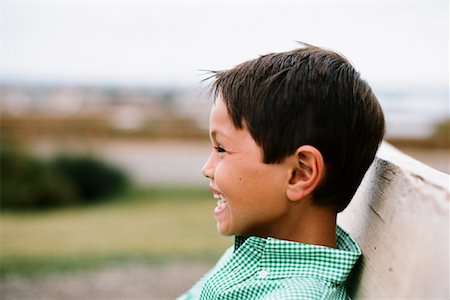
x: 400, y: 218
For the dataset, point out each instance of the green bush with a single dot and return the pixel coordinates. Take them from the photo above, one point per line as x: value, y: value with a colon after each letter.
x: 93, y: 178
x: 27, y: 182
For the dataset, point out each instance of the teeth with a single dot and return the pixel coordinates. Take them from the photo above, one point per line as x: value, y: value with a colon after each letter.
x: 218, y: 196
x: 221, y: 203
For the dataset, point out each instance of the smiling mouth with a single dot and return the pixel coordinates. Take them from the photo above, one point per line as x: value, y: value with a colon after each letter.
x: 220, y: 199
x: 221, y: 203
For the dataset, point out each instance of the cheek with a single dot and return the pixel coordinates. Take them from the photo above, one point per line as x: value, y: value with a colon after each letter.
x: 246, y: 180
x: 232, y: 179
x: 266, y: 183
x: 226, y: 177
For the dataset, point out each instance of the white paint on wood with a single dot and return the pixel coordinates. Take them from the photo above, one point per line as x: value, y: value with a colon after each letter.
x: 400, y: 218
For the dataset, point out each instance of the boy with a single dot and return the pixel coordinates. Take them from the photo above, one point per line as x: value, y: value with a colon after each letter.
x: 293, y: 134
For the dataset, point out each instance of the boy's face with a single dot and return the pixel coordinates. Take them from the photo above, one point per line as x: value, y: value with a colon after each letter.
x: 251, y: 195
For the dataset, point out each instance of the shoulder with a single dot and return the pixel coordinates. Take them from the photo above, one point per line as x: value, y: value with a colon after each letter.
x: 301, y: 288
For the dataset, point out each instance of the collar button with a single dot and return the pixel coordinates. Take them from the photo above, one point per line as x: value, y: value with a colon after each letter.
x: 263, y: 273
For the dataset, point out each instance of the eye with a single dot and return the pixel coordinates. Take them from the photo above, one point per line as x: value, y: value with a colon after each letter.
x: 219, y: 149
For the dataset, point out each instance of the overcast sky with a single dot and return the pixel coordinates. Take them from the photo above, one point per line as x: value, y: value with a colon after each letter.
x: 405, y: 43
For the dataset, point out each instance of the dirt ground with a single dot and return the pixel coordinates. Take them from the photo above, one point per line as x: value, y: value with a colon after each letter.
x: 131, y: 282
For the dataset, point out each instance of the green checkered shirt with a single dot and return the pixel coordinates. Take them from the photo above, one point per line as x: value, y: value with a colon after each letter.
x: 268, y: 268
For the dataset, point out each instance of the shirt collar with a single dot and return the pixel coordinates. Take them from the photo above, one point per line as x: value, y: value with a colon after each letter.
x: 281, y: 258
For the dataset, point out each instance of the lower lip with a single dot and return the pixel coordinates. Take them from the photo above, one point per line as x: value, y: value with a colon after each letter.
x: 219, y: 210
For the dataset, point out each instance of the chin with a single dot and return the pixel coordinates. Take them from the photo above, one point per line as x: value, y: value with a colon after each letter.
x: 224, y: 231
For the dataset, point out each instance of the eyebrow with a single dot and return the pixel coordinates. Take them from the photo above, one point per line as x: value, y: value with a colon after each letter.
x: 216, y: 133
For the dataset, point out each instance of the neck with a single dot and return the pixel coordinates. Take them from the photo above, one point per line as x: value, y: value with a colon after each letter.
x: 308, y: 223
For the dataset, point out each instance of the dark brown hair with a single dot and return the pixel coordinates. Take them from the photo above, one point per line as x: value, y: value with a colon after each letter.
x: 308, y: 96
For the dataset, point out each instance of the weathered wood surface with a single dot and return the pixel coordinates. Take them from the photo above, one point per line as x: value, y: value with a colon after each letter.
x: 400, y: 218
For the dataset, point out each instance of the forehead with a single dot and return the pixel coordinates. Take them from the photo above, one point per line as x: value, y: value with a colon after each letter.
x: 219, y: 120
x: 223, y: 131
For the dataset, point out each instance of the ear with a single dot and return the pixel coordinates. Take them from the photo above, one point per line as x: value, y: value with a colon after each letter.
x: 307, y: 172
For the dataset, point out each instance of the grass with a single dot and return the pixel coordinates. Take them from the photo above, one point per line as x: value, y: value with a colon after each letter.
x: 152, y: 225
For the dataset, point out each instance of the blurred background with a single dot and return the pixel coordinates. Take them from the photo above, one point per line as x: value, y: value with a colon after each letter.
x: 104, y: 126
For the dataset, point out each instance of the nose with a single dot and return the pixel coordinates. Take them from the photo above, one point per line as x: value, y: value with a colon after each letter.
x: 208, y: 167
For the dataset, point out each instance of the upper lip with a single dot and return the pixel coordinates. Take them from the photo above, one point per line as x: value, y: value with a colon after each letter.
x: 214, y: 189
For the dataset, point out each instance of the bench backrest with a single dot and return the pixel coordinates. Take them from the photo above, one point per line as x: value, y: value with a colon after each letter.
x: 400, y: 218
